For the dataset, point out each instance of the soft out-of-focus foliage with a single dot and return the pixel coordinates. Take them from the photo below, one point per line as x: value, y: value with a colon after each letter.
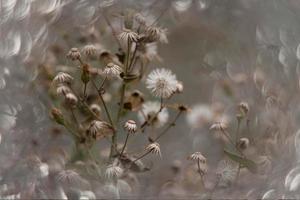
x: 225, y: 52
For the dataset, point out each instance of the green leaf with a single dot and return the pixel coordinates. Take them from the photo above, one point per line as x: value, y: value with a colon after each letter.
x: 249, y: 164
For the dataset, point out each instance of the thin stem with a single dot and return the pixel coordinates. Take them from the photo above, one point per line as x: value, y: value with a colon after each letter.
x: 114, y: 33
x: 127, y: 136
x: 171, y: 124
x: 236, y: 144
x: 84, y: 90
x: 140, y: 157
x: 150, y: 121
x: 104, y: 104
x: 201, y: 173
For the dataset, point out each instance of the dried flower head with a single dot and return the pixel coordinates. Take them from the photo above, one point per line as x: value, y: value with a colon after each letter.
x: 100, y: 128
x: 112, y: 70
x: 62, y: 89
x: 244, y: 108
x: 140, y: 18
x: 62, y: 77
x: 156, y: 34
x: 243, y: 143
x: 134, y: 101
x: 218, y: 126
x: 150, y: 110
x: 162, y: 83
x: 197, y: 156
x: 154, y: 148
x: 130, y: 126
x: 71, y: 99
x: 113, y: 171
x: 89, y: 50
x: 74, y: 54
x: 95, y: 108
x: 57, y: 116
x: 128, y: 36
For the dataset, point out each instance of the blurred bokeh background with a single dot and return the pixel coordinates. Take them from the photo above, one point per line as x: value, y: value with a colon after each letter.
x: 224, y: 51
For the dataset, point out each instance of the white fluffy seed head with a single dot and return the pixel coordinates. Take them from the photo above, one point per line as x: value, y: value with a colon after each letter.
x: 154, y: 148
x: 149, y: 110
x: 130, y: 126
x: 100, y: 128
x: 162, y: 83
x: 62, y: 77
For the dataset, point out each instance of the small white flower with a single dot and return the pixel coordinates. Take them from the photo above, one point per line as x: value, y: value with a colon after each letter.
x: 74, y: 54
x: 112, y: 70
x: 130, y: 126
x: 149, y: 110
x: 71, y: 99
x: 197, y: 156
x: 89, y: 50
x: 62, y: 89
x: 179, y: 87
x: 199, y: 116
x: 128, y: 35
x: 62, y: 77
x: 154, y: 148
x: 162, y: 83
x: 113, y: 171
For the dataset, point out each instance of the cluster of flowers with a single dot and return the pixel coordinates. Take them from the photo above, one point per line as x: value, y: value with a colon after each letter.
x: 84, y: 119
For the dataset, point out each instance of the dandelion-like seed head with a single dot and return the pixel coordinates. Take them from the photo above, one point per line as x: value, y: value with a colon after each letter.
x: 130, y: 126
x: 62, y: 77
x: 74, y: 54
x: 89, y: 50
x: 154, y: 148
x: 113, y: 171
x: 197, y: 156
x: 128, y: 35
x: 62, y: 89
x: 71, y: 99
x: 112, y: 70
x: 150, y: 110
x: 162, y: 83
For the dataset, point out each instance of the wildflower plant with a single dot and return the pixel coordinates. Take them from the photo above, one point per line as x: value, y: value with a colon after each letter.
x: 89, y: 117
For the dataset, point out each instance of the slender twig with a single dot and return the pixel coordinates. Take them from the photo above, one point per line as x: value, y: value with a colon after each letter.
x: 125, y: 143
x: 171, y: 124
x: 150, y: 121
x: 104, y: 104
x: 201, y: 173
